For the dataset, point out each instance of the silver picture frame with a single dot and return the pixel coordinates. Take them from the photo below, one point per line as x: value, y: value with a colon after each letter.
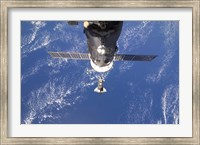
x: 4, y: 88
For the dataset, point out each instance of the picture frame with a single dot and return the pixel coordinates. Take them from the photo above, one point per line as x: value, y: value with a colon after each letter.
x: 6, y: 5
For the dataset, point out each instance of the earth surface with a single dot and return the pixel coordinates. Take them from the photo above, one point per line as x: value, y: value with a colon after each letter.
x: 61, y: 91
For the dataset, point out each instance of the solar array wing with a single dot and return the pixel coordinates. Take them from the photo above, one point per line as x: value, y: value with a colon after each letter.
x: 70, y: 55
x: 85, y: 56
x: 128, y: 57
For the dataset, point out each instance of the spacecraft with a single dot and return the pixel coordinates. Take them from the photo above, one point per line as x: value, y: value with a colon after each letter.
x: 102, y: 39
x: 100, y: 89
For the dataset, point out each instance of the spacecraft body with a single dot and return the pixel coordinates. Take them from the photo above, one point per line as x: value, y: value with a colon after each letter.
x: 100, y: 88
x: 102, y: 38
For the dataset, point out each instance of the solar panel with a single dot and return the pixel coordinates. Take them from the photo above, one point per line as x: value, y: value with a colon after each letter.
x: 128, y: 57
x: 85, y: 56
x: 70, y: 55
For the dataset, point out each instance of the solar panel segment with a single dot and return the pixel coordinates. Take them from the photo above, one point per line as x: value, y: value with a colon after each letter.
x: 70, y: 55
x: 128, y: 57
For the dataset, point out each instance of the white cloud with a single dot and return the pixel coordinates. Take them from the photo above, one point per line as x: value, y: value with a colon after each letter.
x: 28, y: 39
x: 140, y: 107
x: 170, y: 103
x: 169, y: 30
x: 33, y: 70
x: 54, y: 93
x: 134, y: 36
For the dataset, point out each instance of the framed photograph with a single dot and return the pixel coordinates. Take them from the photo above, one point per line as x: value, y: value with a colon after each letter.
x: 100, y: 72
